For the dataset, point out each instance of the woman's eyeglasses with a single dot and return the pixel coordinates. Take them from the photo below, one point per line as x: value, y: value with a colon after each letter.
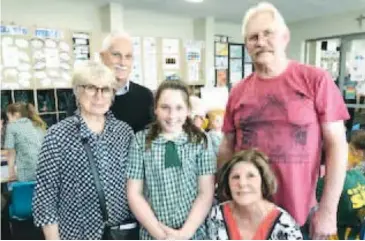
x: 92, y: 90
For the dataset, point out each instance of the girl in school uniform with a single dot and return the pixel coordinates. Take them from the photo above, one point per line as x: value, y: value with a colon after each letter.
x: 23, y: 139
x: 171, y: 170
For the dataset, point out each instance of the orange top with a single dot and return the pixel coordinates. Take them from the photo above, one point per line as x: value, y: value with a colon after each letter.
x: 262, y: 231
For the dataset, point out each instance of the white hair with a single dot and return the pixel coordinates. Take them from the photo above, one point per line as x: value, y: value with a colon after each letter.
x: 259, y: 8
x: 88, y: 71
x: 113, y: 35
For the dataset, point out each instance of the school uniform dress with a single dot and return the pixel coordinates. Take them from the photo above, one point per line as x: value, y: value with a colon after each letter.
x: 277, y: 225
x: 65, y: 192
x: 170, y: 171
x: 351, y: 207
x: 216, y: 138
x: 26, y: 139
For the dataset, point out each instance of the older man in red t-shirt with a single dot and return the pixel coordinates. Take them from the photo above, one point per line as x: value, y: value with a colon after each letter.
x: 286, y: 109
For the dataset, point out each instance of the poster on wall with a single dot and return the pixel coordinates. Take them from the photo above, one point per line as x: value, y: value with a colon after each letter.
x: 171, y: 61
x: 136, y: 74
x: 193, y: 55
x: 137, y: 47
x: 10, y: 56
x: 221, y: 49
x: 235, y: 51
x: 221, y: 62
x: 149, y: 45
x: 52, y: 57
x: 193, y: 72
x: 357, y: 66
x: 235, y: 70
x: 45, y: 33
x: 150, y: 63
x: 170, y: 46
x: 13, y: 30
x: 193, y: 50
x: 15, y: 61
x: 350, y: 93
x: 81, y: 47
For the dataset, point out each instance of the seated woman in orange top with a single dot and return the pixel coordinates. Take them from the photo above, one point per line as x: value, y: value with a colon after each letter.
x: 248, y: 182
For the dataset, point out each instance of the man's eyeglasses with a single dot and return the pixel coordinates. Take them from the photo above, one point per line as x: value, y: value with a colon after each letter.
x: 120, y: 56
x: 253, y: 38
x: 92, y: 90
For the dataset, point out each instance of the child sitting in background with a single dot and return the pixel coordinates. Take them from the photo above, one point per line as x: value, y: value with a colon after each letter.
x: 351, y: 208
x: 215, y: 118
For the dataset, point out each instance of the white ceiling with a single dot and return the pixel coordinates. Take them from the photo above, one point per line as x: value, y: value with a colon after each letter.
x: 233, y: 10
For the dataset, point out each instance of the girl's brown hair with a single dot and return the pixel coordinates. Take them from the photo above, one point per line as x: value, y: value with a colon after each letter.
x: 260, y: 161
x: 195, y: 135
x: 27, y: 111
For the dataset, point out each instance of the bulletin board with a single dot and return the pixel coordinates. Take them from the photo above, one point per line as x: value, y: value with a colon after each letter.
x: 36, y: 65
x: 158, y: 59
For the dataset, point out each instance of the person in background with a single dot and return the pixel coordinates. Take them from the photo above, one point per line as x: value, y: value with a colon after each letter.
x: 171, y: 170
x: 357, y: 150
x: 248, y: 183
x: 65, y: 201
x: 23, y: 139
x: 286, y: 109
x: 215, y: 118
x: 133, y: 103
x: 351, y: 208
x: 198, y: 112
x: 3, y: 123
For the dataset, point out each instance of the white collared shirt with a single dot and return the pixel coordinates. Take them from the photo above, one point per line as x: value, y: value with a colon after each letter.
x: 123, y: 90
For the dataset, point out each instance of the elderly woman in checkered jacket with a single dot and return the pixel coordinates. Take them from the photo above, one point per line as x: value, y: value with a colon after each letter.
x: 171, y: 170
x: 66, y: 202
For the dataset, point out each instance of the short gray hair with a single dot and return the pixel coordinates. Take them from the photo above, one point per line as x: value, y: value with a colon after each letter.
x: 113, y: 35
x: 90, y: 70
x: 259, y: 8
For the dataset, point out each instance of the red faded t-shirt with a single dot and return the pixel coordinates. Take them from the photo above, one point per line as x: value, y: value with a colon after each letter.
x: 282, y: 117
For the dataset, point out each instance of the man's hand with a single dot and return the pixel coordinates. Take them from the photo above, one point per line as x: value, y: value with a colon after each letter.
x: 323, y: 224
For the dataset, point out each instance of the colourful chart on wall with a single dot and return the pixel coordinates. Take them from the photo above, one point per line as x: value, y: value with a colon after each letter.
x: 235, y: 51
x: 350, y: 93
x: 221, y: 49
x: 235, y: 70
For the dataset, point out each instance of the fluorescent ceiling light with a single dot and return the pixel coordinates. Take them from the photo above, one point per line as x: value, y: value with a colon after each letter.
x: 195, y: 1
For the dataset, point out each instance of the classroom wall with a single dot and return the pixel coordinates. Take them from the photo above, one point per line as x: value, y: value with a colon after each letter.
x: 86, y: 16
x: 322, y: 27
